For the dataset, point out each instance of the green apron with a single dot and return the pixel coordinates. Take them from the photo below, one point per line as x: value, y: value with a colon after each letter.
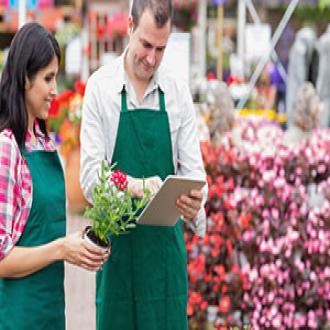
x: 144, y: 284
x: 36, y: 302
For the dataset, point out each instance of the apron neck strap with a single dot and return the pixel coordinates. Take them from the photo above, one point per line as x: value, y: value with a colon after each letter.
x: 124, y: 100
x: 161, y: 96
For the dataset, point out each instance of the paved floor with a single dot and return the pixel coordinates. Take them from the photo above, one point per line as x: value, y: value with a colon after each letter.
x: 79, y: 288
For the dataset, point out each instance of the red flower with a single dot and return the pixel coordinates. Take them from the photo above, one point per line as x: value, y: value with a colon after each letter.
x: 227, y: 204
x: 215, y: 288
x: 204, y: 305
x: 220, y: 270
x: 234, y: 80
x: 215, y: 191
x: 235, y: 268
x: 214, y: 252
x: 190, y: 309
x: 207, y: 278
x: 229, y: 247
x: 64, y: 97
x: 217, y: 218
x: 100, y: 31
x: 119, y: 179
x: 195, y: 298
x: 196, y: 268
x: 211, y: 75
x: 117, y: 25
x: 224, y: 304
x: 80, y: 87
x: 54, y: 108
x: 245, y: 219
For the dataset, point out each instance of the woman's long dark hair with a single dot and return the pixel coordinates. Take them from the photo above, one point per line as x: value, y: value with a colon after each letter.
x: 31, y: 50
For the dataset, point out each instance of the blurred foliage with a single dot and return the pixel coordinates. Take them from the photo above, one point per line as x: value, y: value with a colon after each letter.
x: 323, y: 4
x: 313, y: 13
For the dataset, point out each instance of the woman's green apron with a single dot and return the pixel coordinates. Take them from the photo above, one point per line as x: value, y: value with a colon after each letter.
x: 37, y: 301
x: 143, y: 286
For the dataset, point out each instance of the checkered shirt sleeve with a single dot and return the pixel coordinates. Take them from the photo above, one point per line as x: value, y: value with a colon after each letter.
x: 15, y: 192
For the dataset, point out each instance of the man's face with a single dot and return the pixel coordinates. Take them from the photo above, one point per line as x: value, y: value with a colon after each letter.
x: 147, y: 46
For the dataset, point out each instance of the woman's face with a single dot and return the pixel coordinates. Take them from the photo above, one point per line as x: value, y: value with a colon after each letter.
x: 40, y: 91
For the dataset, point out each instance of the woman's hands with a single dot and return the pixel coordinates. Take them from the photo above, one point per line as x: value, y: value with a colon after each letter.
x: 76, y: 251
x: 22, y: 261
x: 137, y: 186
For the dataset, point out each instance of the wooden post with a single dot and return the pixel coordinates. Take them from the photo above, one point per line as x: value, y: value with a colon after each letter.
x: 220, y: 41
x: 78, y: 4
x: 201, y: 37
x: 241, y: 22
x: 21, y: 13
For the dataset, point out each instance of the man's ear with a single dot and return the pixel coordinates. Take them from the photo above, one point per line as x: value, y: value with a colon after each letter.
x: 130, y: 25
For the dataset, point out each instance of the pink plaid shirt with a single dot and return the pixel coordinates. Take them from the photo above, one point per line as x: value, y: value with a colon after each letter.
x: 16, y: 186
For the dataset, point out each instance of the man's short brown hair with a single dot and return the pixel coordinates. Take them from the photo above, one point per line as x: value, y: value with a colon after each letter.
x: 161, y: 9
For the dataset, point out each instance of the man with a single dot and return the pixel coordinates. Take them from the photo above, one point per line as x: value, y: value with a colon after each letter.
x: 140, y: 117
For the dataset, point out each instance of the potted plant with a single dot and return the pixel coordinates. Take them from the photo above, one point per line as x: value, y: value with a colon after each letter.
x: 113, y: 210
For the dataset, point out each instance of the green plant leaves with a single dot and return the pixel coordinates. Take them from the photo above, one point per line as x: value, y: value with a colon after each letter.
x: 113, y: 212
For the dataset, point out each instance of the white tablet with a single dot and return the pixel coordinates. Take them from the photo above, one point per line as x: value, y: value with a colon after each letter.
x: 161, y: 210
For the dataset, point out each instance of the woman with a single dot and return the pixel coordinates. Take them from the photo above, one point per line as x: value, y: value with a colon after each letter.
x: 32, y: 193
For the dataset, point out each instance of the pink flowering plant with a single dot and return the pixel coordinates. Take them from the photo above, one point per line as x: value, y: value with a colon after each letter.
x: 113, y: 211
x: 265, y: 261
x: 308, y: 163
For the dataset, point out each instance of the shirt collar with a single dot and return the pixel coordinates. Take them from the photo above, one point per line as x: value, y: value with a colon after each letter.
x: 122, y: 78
x: 37, y: 130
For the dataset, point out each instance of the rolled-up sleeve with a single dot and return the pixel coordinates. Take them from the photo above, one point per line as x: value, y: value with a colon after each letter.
x: 189, y: 154
x: 92, y: 140
x: 8, y: 172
